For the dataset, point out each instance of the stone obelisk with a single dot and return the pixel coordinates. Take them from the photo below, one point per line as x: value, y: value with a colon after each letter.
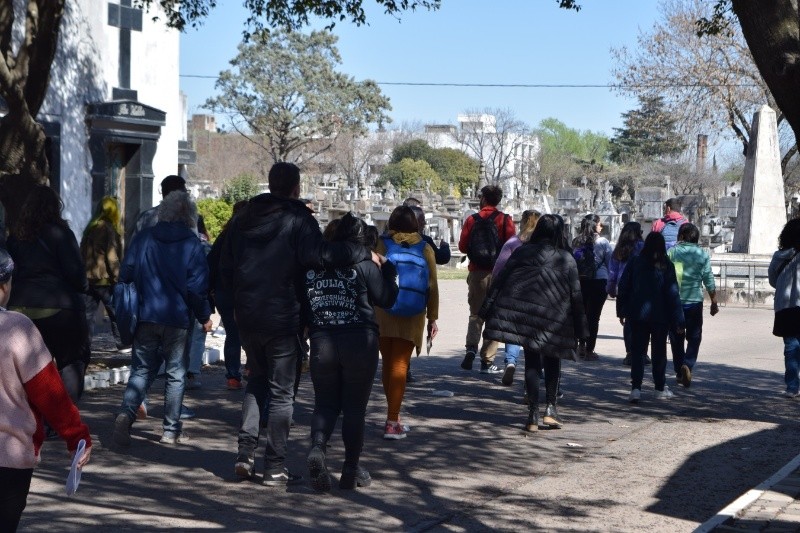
x: 762, y: 210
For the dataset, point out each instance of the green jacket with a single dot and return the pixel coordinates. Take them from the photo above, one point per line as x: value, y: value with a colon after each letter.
x: 693, y: 269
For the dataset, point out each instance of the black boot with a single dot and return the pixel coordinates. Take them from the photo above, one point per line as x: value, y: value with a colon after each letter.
x: 320, y: 478
x: 354, y: 476
x: 533, y: 419
x: 551, y: 419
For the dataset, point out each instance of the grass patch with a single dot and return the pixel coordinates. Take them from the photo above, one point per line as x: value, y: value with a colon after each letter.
x: 451, y: 273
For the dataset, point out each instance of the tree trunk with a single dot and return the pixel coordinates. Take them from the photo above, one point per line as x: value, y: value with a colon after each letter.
x: 772, y: 32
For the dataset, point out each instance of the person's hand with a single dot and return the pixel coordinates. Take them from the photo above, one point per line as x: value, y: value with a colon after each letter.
x: 714, y: 308
x: 433, y: 329
x: 622, y: 320
x: 208, y: 326
x: 87, y: 453
x: 378, y: 259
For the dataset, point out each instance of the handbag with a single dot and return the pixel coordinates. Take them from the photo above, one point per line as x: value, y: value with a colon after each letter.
x: 126, y: 309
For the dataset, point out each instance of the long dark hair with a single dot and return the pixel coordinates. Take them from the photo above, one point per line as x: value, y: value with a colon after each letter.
x: 587, y: 234
x: 350, y: 229
x: 790, y: 235
x: 654, y: 252
x: 630, y: 235
x: 42, y: 206
x: 546, y: 231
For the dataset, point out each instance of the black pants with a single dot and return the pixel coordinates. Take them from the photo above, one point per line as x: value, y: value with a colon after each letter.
x: 642, y: 334
x: 101, y: 294
x: 14, y: 486
x: 594, y: 296
x: 534, y: 361
x: 66, y: 335
x: 273, y: 369
x: 343, y: 366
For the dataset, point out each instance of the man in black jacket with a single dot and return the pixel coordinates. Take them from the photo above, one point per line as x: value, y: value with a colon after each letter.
x: 271, y: 243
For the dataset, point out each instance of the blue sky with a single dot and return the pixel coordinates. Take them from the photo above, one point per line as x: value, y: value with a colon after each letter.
x: 466, y: 41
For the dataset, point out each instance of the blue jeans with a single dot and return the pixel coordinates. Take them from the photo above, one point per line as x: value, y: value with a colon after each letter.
x: 791, y: 354
x: 687, y: 354
x: 233, y: 344
x: 273, y: 368
x: 655, y: 334
x: 152, y: 345
x: 197, y: 345
x: 512, y: 354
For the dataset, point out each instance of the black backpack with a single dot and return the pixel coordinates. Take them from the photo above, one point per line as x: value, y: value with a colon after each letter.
x: 484, y: 243
x: 584, y: 257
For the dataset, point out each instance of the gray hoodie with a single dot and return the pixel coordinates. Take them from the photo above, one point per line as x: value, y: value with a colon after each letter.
x: 787, y: 282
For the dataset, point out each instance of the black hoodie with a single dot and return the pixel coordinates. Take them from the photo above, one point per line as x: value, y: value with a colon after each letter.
x: 269, y: 246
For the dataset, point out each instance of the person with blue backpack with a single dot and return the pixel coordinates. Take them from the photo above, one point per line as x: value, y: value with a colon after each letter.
x: 402, y: 324
x: 670, y: 223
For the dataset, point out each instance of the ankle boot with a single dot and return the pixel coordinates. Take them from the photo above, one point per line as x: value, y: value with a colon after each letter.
x: 551, y: 419
x: 317, y: 470
x: 533, y: 420
x: 353, y: 476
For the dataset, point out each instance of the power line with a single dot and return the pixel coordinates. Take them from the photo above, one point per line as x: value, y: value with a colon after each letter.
x: 536, y: 85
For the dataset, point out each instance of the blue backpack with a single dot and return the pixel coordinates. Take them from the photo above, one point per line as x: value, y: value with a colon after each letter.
x: 412, y: 277
x: 670, y: 231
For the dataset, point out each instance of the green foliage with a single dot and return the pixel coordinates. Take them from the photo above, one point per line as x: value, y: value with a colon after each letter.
x: 453, y: 167
x: 568, y: 154
x: 409, y: 174
x: 215, y: 212
x: 242, y: 187
x: 649, y: 133
x: 285, y: 94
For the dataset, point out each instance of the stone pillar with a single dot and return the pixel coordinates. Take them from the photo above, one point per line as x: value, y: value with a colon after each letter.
x: 762, y: 211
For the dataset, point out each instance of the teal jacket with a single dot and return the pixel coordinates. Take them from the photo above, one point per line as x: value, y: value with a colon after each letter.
x: 693, y: 269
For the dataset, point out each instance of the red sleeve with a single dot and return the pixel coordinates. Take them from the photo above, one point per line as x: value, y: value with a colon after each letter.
x: 464, y: 240
x: 510, y: 229
x: 48, y: 398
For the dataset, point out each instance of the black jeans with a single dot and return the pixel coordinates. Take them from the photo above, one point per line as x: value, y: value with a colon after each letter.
x: 101, y: 294
x: 534, y: 361
x: 14, y: 486
x: 273, y: 368
x: 343, y: 366
x: 594, y: 296
x: 66, y: 335
x: 643, y: 333
x: 233, y: 344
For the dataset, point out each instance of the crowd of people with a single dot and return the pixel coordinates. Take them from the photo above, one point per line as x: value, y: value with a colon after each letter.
x: 348, y: 296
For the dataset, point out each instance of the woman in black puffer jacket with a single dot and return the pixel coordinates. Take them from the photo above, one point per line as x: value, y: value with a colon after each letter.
x: 536, y: 302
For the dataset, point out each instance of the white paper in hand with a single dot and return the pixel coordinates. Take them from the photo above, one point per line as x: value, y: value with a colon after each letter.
x: 74, y: 477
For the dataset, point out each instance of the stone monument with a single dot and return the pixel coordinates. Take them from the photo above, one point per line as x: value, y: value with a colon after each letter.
x: 762, y: 212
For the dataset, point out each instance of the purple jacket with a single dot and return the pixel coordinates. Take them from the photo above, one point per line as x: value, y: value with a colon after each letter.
x: 616, y: 268
x: 505, y: 252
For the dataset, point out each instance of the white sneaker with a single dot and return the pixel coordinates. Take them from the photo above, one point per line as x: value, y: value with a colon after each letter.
x: 635, y: 396
x: 665, y: 394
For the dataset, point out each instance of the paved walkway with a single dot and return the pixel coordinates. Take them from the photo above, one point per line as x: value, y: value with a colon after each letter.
x: 466, y: 465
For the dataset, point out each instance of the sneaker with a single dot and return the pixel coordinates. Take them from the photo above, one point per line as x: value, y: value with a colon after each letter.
x: 508, y: 375
x: 354, y: 477
x: 466, y: 364
x: 192, y: 382
x: 245, y: 466
x: 665, y: 394
x: 590, y: 356
x: 235, y: 384
x: 686, y: 376
x: 281, y: 479
x: 488, y: 368
x: 187, y: 413
x: 317, y: 471
x: 141, y: 412
x: 124, y: 349
x: 627, y: 360
x: 122, y: 430
x: 635, y: 395
x: 791, y: 394
x: 394, y: 431
x: 175, y: 438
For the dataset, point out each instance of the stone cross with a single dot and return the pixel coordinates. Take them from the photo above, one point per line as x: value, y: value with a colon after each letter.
x: 127, y: 19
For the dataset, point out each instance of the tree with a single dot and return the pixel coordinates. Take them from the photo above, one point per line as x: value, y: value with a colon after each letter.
x: 709, y: 83
x: 242, y: 187
x: 408, y: 174
x: 286, y: 96
x: 414, y: 149
x: 492, y: 136
x: 216, y: 213
x: 454, y: 167
x: 567, y: 153
x: 649, y: 133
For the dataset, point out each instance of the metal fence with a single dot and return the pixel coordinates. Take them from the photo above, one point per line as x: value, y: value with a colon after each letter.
x: 742, y: 283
